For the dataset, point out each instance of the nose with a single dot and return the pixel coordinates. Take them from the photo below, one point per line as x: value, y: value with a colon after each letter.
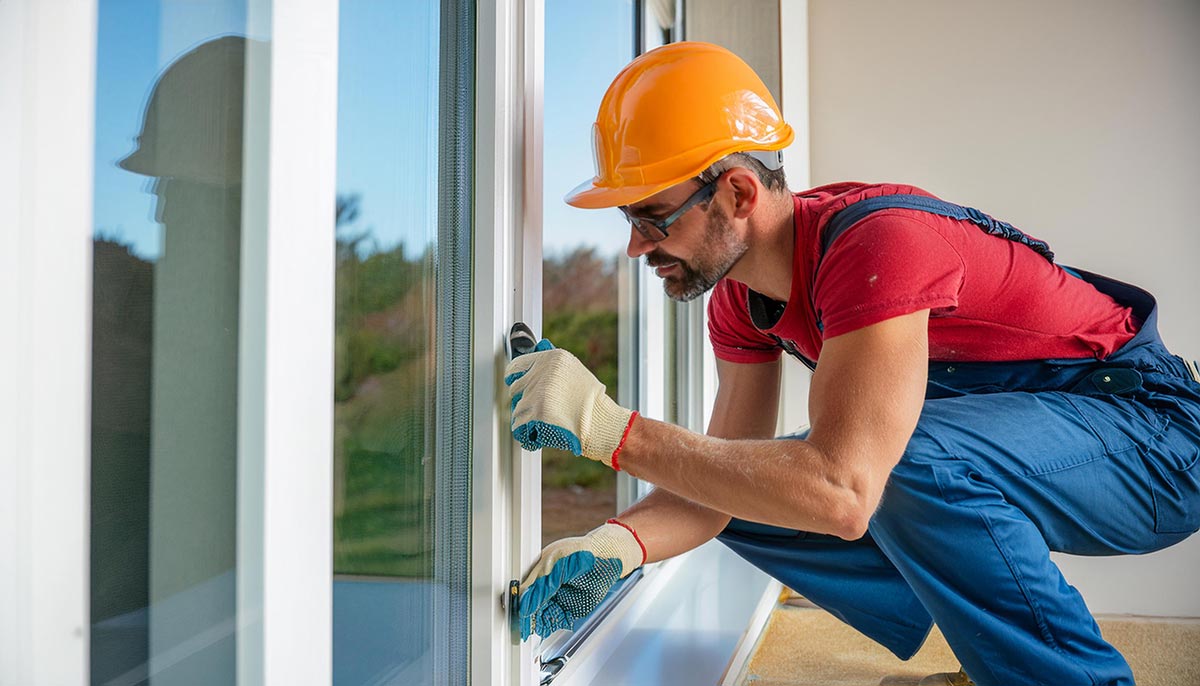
x: 638, y: 244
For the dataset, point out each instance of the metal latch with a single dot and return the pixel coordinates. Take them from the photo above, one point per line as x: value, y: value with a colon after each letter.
x: 511, y: 603
x: 551, y: 668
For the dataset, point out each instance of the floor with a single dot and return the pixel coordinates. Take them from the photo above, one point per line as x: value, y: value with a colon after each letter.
x: 806, y: 646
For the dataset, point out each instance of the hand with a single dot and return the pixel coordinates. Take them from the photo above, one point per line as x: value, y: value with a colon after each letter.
x: 573, y: 575
x: 558, y: 403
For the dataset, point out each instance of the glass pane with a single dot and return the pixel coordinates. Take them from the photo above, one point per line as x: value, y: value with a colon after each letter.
x: 388, y: 596
x: 587, y: 43
x: 170, y: 77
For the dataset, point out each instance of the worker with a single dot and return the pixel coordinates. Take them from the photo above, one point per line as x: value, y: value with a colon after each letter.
x: 973, y: 406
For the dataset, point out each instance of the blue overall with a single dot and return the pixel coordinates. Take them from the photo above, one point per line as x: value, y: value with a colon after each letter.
x: 1010, y: 461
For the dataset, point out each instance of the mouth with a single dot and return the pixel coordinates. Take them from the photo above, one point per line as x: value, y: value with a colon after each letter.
x: 663, y: 270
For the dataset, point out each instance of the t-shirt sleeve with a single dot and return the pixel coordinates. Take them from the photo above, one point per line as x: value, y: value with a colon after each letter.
x: 733, y: 336
x: 886, y: 266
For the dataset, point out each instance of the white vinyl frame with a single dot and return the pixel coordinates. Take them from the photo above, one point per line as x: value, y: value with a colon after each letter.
x: 505, y: 482
x: 285, y: 389
x: 507, y: 288
x: 47, y: 101
x: 793, y: 71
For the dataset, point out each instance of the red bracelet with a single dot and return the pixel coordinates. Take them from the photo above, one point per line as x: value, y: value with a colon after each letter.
x: 615, y: 466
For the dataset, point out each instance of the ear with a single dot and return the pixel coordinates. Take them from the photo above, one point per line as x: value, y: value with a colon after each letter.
x: 747, y: 191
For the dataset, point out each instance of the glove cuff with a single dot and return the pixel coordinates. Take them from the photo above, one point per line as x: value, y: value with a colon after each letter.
x: 604, y: 430
x: 617, y: 540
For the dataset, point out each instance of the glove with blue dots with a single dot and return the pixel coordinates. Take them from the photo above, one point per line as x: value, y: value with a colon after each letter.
x: 573, y: 576
x: 558, y: 403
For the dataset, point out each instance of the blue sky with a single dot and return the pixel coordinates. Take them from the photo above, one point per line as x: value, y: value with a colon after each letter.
x: 137, y: 39
x: 388, y: 119
x: 387, y: 123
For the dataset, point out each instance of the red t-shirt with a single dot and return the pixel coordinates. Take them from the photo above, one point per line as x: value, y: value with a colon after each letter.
x: 990, y: 299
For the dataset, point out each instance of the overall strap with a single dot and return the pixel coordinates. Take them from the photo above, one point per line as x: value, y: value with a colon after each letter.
x: 856, y: 212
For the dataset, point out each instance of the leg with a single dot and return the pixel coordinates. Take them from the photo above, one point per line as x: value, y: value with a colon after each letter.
x: 988, y: 486
x: 850, y: 579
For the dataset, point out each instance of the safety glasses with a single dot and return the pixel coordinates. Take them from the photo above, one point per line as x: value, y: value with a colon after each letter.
x: 656, y: 229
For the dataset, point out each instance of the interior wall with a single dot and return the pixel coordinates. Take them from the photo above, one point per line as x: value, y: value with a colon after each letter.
x: 1075, y: 120
x: 747, y: 27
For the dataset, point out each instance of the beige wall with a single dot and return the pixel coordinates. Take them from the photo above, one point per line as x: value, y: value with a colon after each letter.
x: 747, y: 27
x: 1077, y: 120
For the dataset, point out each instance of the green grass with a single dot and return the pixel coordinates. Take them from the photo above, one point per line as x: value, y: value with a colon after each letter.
x: 382, y: 527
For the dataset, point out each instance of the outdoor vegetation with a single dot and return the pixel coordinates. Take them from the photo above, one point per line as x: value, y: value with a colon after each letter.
x: 385, y: 371
x: 579, y: 314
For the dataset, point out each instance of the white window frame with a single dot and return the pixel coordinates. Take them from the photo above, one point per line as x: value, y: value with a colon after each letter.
x: 506, y: 493
x: 793, y: 70
x: 285, y: 422
x: 47, y: 101
x: 506, y: 501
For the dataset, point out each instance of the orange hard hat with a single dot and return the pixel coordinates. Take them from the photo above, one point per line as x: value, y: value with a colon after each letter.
x: 672, y: 113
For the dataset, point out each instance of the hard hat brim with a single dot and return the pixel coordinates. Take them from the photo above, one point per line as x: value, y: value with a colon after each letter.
x: 589, y: 196
x: 138, y: 162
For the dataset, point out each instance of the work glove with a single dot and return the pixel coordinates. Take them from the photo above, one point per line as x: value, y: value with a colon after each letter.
x: 573, y: 575
x: 558, y: 403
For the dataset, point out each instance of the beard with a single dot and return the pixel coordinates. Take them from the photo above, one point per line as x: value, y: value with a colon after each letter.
x: 722, y: 248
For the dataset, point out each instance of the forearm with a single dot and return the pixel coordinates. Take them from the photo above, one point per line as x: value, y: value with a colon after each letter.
x: 669, y: 525
x: 788, y: 483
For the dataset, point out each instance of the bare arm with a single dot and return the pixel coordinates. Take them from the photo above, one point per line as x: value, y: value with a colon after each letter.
x: 866, y: 397
x: 746, y: 406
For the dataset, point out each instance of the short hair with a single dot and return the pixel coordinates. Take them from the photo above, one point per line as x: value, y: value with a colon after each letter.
x: 772, y: 179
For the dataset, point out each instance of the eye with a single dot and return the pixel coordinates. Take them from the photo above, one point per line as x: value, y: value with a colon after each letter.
x: 635, y: 219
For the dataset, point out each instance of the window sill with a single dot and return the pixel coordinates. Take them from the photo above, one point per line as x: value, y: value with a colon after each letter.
x: 683, y: 622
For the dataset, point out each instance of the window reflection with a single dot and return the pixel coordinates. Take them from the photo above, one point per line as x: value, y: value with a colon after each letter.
x: 165, y: 345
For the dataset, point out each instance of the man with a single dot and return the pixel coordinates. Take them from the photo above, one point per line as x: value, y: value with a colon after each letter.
x: 973, y: 405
